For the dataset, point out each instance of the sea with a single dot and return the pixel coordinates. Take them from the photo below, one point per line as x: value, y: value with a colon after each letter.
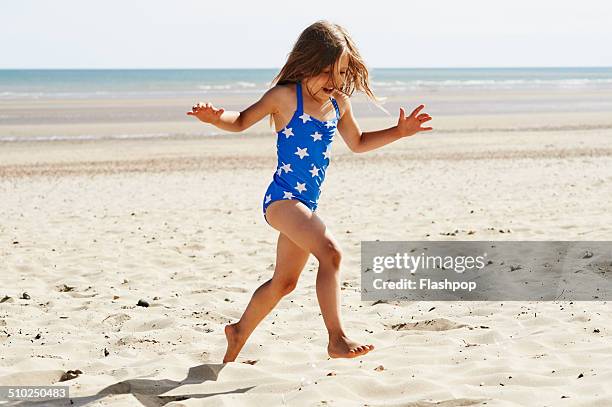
x: 48, y: 104
x: 171, y: 83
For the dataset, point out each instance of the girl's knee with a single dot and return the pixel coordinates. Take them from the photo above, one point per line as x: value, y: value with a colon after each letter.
x: 284, y: 286
x: 330, y: 254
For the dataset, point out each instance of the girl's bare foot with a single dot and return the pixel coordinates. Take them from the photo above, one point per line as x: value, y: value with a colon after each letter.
x: 235, y: 342
x: 343, y: 347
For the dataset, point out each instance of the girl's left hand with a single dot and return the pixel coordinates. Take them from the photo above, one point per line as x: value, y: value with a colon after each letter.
x: 408, y: 126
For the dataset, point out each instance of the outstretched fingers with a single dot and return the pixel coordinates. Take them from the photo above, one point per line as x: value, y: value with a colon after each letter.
x: 417, y: 110
x: 422, y: 118
x: 206, y: 108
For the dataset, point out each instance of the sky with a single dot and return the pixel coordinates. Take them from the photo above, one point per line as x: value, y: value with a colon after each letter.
x: 260, y: 34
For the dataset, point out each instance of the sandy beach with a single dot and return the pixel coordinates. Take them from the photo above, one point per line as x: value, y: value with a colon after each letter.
x: 90, y: 227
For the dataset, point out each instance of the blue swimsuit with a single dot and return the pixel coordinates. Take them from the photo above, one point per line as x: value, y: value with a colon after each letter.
x: 303, y: 148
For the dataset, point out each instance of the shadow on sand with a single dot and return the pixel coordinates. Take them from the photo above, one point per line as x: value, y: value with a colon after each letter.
x: 147, y: 392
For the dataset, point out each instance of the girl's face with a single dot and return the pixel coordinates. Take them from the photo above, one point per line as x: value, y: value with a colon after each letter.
x: 321, y: 86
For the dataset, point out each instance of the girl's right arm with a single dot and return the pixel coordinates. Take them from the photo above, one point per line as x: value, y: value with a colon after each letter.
x: 238, y: 121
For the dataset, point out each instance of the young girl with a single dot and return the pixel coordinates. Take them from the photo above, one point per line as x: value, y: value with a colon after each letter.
x: 309, y: 101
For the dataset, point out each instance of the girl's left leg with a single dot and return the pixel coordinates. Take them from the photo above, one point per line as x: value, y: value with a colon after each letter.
x: 290, y: 261
x: 308, y: 231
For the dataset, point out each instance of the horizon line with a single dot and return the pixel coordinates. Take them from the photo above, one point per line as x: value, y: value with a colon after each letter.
x: 276, y: 68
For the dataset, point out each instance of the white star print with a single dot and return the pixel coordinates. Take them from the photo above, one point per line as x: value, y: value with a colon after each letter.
x: 286, y: 167
x: 305, y: 118
x: 302, y: 152
x: 329, y: 123
x: 279, y: 171
x: 268, y: 198
x: 287, y: 195
x: 316, y: 136
x: 288, y: 132
x: 314, y: 171
x: 300, y: 187
x: 327, y: 153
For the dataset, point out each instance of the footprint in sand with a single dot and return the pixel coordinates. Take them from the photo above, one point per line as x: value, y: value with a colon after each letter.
x: 116, y: 321
x: 437, y: 324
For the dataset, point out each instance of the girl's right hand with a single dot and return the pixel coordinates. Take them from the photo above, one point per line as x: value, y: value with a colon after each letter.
x: 206, y: 112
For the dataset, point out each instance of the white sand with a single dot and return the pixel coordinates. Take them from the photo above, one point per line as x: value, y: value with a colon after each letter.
x: 178, y: 223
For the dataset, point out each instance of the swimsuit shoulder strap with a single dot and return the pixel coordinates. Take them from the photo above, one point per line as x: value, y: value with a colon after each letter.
x: 298, y: 91
x: 335, y: 107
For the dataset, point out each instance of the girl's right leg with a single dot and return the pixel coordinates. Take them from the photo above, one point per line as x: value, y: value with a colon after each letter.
x: 290, y: 261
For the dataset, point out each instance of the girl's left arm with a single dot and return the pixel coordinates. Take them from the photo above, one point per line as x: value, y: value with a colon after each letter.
x: 360, y: 142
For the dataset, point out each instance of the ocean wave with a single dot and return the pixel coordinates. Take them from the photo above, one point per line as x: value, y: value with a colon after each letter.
x: 165, y: 90
x: 120, y: 94
x: 491, y: 83
x: 85, y: 137
x: 228, y: 86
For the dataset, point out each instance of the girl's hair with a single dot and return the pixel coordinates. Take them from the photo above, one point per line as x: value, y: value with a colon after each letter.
x: 320, y: 45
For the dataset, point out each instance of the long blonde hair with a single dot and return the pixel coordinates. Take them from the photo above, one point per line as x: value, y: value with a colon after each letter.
x: 320, y: 45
